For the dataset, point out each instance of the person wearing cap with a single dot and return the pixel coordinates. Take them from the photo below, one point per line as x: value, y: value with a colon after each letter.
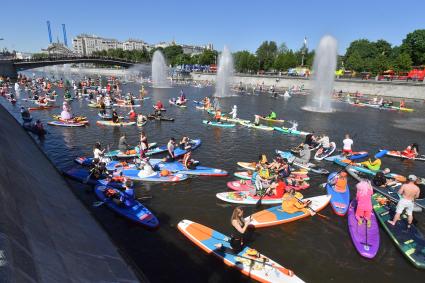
x: 234, y: 112
x: 408, y: 193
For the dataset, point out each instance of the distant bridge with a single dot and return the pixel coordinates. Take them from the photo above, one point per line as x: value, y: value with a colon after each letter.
x: 10, y: 67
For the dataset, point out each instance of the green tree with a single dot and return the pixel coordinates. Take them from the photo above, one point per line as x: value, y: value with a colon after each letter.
x: 245, y: 62
x: 208, y: 57
x: 402, y: 63
x: 286, y: 60
x: 379, y: 64
x: 383, y: 47
x: 266, y: 54
x: 414, y: 45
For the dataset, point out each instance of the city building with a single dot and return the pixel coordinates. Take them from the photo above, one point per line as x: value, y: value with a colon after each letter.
x: 58, y: 49
x: 85, y: 45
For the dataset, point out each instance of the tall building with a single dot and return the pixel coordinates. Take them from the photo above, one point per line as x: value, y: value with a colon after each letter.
x: 134, y: 44
x: 85, y: 45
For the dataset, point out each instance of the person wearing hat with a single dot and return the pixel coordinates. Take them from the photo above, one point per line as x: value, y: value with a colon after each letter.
x: 408, y: 193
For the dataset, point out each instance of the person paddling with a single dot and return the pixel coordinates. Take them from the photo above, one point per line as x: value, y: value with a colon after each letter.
x: 291, y: 203
x: 272, y: 115
x: 408, y: 193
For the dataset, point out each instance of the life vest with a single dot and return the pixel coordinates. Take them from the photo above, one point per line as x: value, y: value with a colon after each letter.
x: 218, y: 114
x: 341, y: 184
x: 164, y: 173
x: 110, y: 193
x: 131, y: 151
x: 264, y: 173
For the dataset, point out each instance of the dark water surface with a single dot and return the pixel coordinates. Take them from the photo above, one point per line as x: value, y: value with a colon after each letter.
x: 317, y: 249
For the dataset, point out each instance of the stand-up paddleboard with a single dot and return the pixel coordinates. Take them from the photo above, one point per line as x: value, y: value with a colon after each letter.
x: 258, y: 127
x: 177, y: 166
x: 246, y: 197
x: 365, y: 239
x: 247, y: 165
x: 410, y: 241
x: 289, y: 131
x: 126, y: 105
x: 83, y: 176
x: 248, y: 261
x: 136, y: 212
x: 133, y: 174
x: 307, y: 166
x: 66, y: 124
x: 276, y: 216
x: 42, y: 107
x: 119, y: 124
x: 270, y: 120
x: 218, y: 124
x: 297, y: 175
x: 351, y: 156
x: 321, y: 154
x: 133, y: 152
x: 194, y: 144
x: 339, y: 200
x: 399, y: 154
x: 248, y: 186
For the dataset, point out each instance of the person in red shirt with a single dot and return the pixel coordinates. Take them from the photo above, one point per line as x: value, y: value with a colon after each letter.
x: 159, y: 105
x: 277, y: 189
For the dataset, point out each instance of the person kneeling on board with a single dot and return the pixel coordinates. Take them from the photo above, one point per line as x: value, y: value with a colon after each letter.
x: 364, y: 202
x: 339, y: 182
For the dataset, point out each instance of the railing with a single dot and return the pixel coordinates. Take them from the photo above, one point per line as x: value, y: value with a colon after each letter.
x: 72, y: 58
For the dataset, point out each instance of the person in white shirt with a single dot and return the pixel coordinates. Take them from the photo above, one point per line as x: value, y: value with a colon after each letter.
x: 348, y: 142
x: 98, y: 152
x: 234, y: 112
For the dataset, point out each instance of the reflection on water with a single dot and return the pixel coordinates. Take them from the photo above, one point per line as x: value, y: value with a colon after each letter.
x: 305, y: 246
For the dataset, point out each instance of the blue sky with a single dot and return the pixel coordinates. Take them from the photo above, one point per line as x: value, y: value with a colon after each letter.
x: 238, y: 24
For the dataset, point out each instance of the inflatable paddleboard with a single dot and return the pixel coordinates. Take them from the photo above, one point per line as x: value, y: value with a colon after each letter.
x: 119, y: 124
x: 66, y: 124
x: 339, y: 200
x: 321, y: 154
x: 133, y: 174
x: 218, y: 124
x: 258, y: 267
x: 247, y: 186
x: 399, y: 154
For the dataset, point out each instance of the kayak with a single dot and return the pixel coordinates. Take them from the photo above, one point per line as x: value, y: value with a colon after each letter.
x: 82, y: 175
x: 365, y: 239
x: 66, y: 124
x: 42, y: 108
x: 297, y: 175
x: 339, y: 200
x: 399, y: 154
x: 410, y: 241
x: 133, y: 174
x: 352, y: 156
x: 247, y: 186
x: 276, y: 216
x: 245, y: 197
x: 177, y: 166
x: 322, y: 153
x: 270, y: 120
x: 307, y: 166
x: 258, y: 267
x: 259, y: 127
x: 288, y: 131
x: 110, y: 123
x: 218, y: 124
x: 136, y: 212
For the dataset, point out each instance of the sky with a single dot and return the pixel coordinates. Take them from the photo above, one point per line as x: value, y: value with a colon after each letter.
x: 241, y: 25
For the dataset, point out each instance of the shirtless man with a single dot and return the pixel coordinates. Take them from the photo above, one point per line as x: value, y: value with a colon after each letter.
x: 409, y: 192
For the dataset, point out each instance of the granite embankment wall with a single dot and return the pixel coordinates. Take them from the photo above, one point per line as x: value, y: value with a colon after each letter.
x: 371, y: 87
x: 46, y: 234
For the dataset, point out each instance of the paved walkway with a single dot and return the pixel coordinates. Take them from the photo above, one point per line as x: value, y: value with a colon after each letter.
x: 46, y: 234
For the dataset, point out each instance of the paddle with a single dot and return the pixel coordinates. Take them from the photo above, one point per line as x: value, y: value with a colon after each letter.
x: 88, y: 177
x: 309, y: 207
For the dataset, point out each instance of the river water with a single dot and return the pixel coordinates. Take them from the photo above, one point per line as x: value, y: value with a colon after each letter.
x: 317, y: 249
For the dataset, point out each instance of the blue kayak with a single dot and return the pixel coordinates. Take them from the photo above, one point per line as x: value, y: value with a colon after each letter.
x: 136, y: 212
x: 339, y: 200
x: 177, y: 166
x: 133, y: 174
x: 82, y: 175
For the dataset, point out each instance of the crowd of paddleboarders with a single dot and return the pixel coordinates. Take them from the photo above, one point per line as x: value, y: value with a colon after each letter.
x: 381, y: 195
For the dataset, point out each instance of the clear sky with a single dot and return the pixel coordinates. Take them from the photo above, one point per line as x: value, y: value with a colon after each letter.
x: 238, y: 24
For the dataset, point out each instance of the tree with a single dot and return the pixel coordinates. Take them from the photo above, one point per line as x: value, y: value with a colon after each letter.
x: 355, y: 62
x: 286, y: 60
x: 361, y: 54
x: 383, y: 47
x: 414, y: 45
x: 208, y: 57
x: 380, y: 64
x: 245, y: 62
x: 283, y: 48
x: 266, y: 54
x: 402, y: 63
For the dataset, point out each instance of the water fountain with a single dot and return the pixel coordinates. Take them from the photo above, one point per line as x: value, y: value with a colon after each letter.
x: 159, y: 71
x: 323, y: 75
x: 224, y: 73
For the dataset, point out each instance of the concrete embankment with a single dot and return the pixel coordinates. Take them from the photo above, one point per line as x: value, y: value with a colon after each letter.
x: 371, y: 87
x: 46, y: 234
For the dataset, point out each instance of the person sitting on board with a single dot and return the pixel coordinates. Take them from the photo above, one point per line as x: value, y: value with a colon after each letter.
x: 348, y: 142
x: 381, y: 180
x: 239, y: 235
x: 272, y: 115
x: 374, y: 165
x: 159, y: 105
x: 97, y: 151
x: 277, y: 189
x: 141, y: 119
x: 402, y: 103
x: 324, y: 141
x: 182, y: 96
x: 408, y: 193
x: 127, y: 197
x: 305, y: 155
x: 98, y: 169
x: 115, y: 117
x: 132, y: 114
x: 234, y: 112
x: 262, y: 180
x: 292, y: 203
x: 310, y: 140
x: 171, y: 145
x: 123, y: 145
x: 185, y: 143
x: 39, y: 126
x: 339, y: 182
x: 364, y: 202
x: 66, y: 112
x: 145, y: 168
x: 284, y: 170
x: 217, y: 116
x: 411, y: 151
